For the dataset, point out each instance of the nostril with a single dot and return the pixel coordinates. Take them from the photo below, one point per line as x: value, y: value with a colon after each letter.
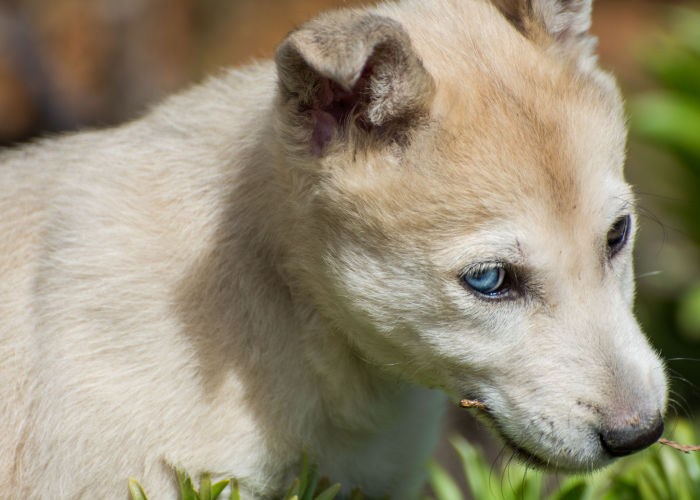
x: 627, y: 435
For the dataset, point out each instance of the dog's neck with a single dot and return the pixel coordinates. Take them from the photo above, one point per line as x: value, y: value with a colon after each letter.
x: 309, y: 362
x: 277, y: 354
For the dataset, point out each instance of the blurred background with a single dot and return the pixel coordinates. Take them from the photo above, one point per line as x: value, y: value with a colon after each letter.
x: 66, y: 64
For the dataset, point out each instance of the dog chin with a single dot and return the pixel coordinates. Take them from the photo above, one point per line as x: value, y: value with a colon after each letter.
x: 554, y: 462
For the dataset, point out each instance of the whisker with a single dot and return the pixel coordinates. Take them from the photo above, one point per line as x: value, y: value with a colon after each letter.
x: 498, y: 462
x: 657, y: 196
x: 681, y: 402
x: 674, y: 375
x: 524, y: 479
x: 649, y: 274
x: 674, y: 406
x: 504, y: 474
x: 664, y: 232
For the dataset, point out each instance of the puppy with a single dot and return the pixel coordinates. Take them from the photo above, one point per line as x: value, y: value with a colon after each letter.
x: 417, y: 202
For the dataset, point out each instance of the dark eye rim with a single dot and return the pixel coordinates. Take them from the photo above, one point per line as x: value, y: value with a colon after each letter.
x: 508, y: 288
x: 618, y: 235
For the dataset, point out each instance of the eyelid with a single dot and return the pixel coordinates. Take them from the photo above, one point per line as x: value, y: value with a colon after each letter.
x: 513, y: 288
x: 478, y: 267
x: 628, y: 228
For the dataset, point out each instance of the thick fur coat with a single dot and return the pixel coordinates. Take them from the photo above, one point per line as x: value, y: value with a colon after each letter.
x: 294, y: 256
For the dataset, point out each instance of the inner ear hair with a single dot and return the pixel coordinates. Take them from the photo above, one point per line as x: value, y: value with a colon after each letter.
x: 346, y: 70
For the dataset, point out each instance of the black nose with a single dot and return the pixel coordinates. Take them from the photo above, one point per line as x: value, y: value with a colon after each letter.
x: 625, y: 435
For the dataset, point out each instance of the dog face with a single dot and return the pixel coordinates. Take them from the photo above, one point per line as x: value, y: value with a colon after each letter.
x: 466, y: 223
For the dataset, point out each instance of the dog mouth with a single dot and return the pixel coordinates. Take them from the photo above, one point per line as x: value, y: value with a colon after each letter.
x: 566, y: 459
x: 520, y: 453
x: 525, y: 456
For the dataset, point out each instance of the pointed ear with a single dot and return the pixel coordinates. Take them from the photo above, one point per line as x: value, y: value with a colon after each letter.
x: 348, y: 69
x: 565, y: 21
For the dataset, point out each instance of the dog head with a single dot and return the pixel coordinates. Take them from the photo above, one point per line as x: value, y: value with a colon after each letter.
x: 455, y: 169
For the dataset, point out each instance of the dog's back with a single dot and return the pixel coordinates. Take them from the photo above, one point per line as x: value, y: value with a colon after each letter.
x: 101, y: 230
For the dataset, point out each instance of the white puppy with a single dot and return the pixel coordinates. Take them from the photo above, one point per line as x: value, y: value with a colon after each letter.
x: 416, y: 199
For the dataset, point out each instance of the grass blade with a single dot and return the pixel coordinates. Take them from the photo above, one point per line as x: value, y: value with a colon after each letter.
x: 294, y: 490
x: 443, y: 485
x: 476, y: 470
x: 186, y: 489
x: 136, y: 490
x: 311, y: 485
x: 205, y: 487
x: 329, y: 493
x: 217, y: 488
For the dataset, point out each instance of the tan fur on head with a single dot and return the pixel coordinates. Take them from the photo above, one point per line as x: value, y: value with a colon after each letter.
x: 291, y: 257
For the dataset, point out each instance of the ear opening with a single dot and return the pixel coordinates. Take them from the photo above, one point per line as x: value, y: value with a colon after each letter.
x: 334, y: 107
x: 346, y: 70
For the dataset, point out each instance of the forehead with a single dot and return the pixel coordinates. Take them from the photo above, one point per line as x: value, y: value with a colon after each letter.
x: 548, y: 159
x: 517, y: 132
x: 523, y: 115
x: 537, y: 132
x: 544, y: 136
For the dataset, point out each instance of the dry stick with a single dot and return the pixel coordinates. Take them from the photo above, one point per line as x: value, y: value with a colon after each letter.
x: 685, y: 448
x: 472, y: 403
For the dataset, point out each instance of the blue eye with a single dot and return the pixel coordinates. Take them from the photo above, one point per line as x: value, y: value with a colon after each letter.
x: 487, y: 280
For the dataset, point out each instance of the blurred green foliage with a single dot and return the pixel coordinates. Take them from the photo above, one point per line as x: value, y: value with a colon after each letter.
x: 207, y: 491
x: 308, y: 486
x: 658, y: 473
x: 669, y: 118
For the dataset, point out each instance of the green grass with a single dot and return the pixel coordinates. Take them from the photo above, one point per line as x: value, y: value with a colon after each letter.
x: 308, y: 486
x: 659, y: 473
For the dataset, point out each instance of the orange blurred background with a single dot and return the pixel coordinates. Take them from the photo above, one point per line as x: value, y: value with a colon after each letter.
x: 70, y: 63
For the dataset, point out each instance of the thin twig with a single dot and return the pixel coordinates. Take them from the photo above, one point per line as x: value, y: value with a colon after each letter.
x: 472, y: 403
x: 685, y: 448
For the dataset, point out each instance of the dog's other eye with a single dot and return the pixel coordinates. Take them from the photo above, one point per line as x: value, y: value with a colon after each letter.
x: 489, y: 280
x: 618, y: 234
